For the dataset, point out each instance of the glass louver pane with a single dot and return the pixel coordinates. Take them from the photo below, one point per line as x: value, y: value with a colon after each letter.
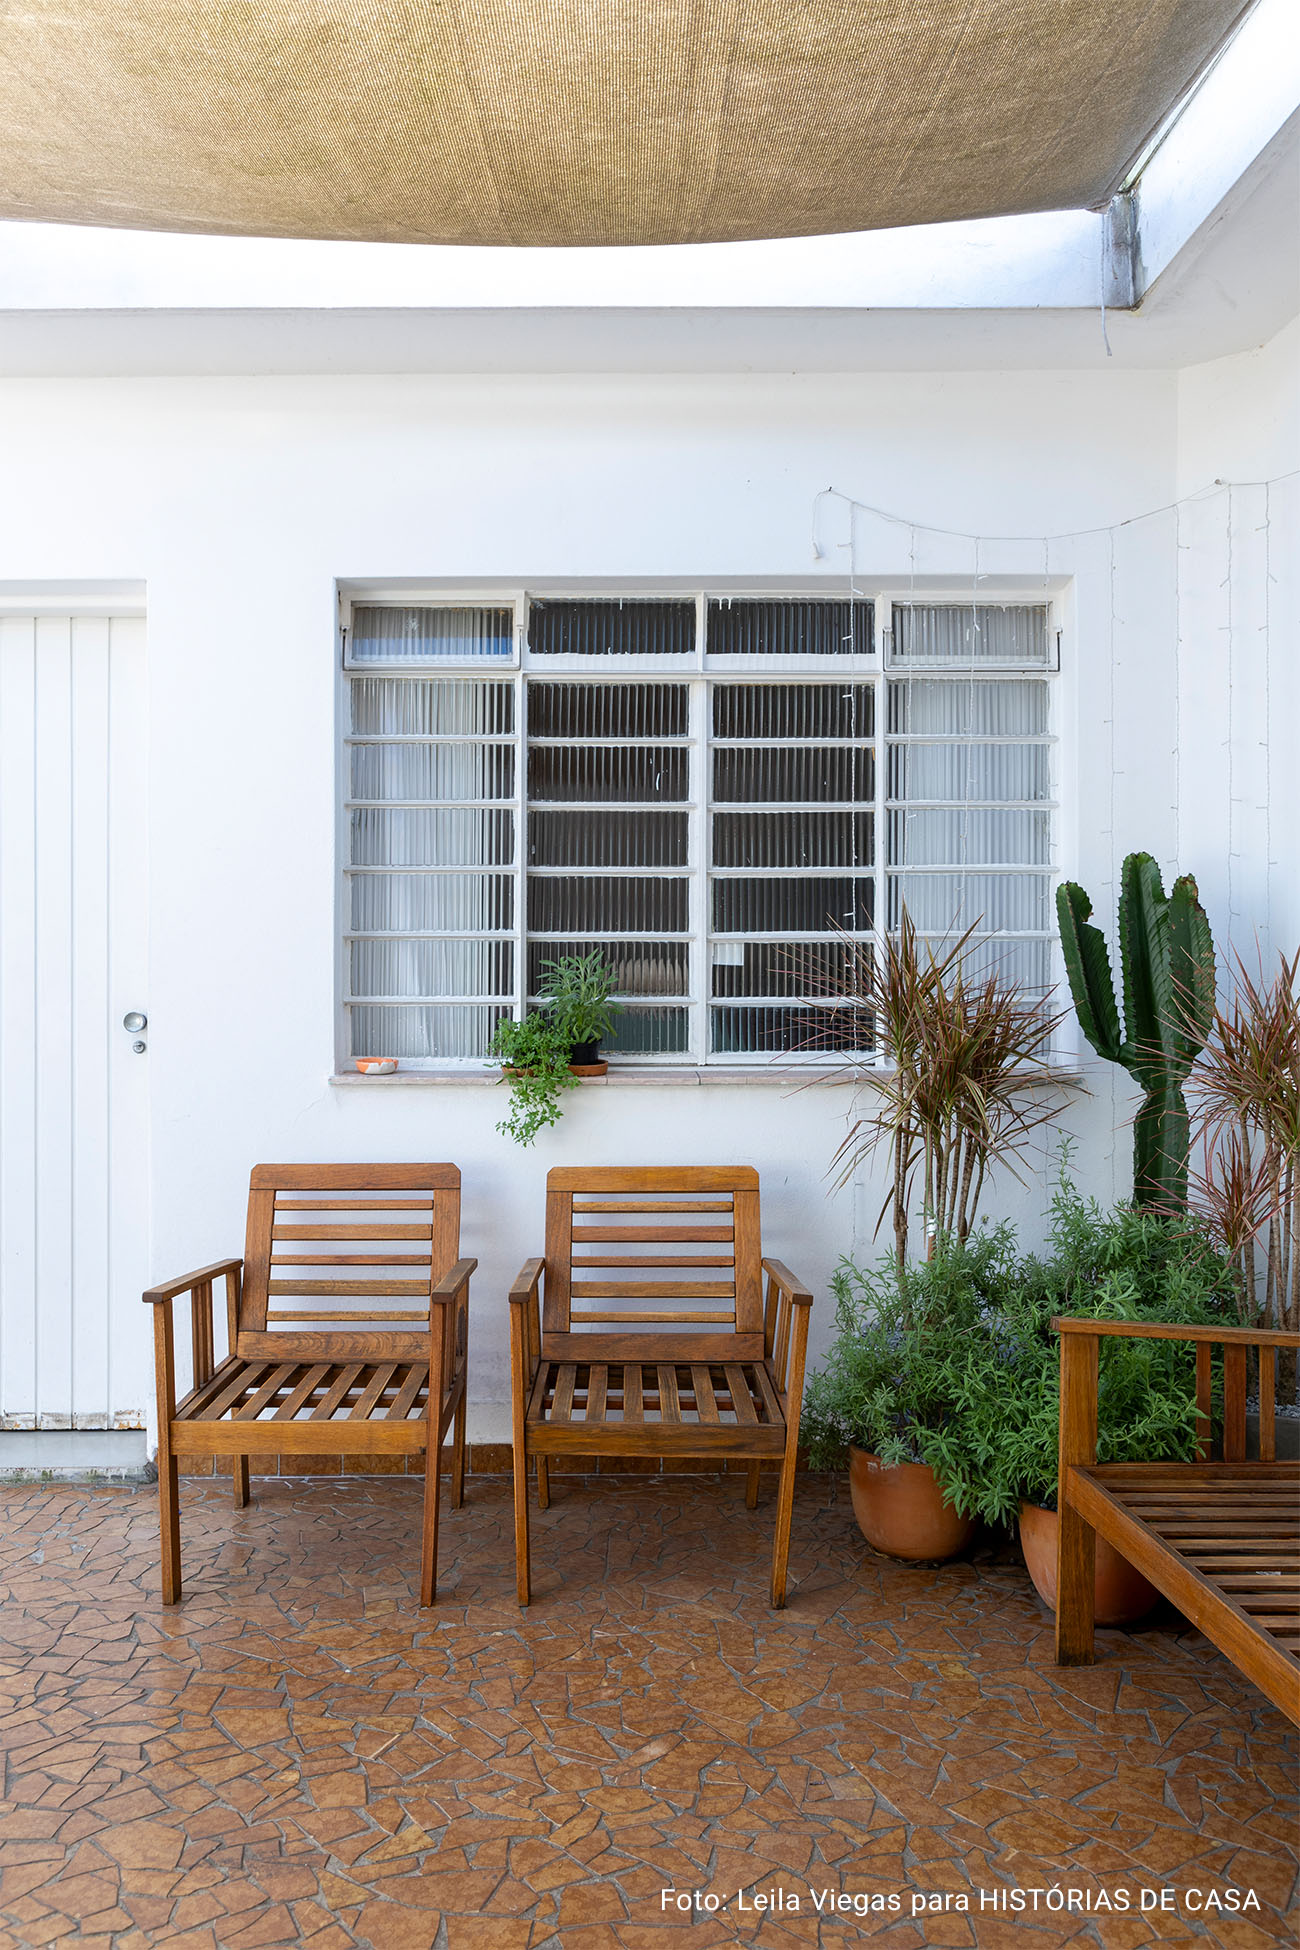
x: 791, y: 906
x: 599, y: 904
x: 746, y: 1030
x: 602, y: 774
x: 969, y: 836
x: 579, y: 710
x: 390, y: 634
x: 810, y: 838
x: 811, y: 969
x: 432, y: 968
x: 956, y: 901
x: 793, y: 710
x: 639, y: 967
x: 1026, y: 964
x: 431, y: 707
x: 997, y: 772
x: 454, y: 903
x: 405, y: 836
x: 966, y: 708
x: 433, y: 772
x: 816, y: 774
x: 611, y: 629
x: 816, y: 628
x: 1012, y: 633
x: 615, y: 839
x: 650, y: 1032
x: 424, y: 1031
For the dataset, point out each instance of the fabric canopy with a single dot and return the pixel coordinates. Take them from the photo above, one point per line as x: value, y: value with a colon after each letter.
x: 553, y: 122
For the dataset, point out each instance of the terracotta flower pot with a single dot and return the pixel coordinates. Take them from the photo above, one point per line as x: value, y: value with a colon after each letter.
x: 901, y: 1511
x: 1121, y: 1593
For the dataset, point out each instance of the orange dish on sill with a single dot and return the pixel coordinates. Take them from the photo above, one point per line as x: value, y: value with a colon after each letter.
x: 376, y: 1066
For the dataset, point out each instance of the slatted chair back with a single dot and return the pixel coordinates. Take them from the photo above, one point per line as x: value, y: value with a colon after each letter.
x: 338, y: 1255
x: 629, y: 1252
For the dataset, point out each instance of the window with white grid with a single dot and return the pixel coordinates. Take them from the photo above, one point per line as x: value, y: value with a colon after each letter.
x: 720, y: 793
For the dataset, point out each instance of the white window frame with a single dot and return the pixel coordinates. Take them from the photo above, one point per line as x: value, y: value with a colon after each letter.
x: 700, y: 671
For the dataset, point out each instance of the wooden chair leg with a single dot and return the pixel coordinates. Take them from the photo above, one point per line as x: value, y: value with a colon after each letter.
x: 239, y: 1481
x: 751, y: 1486
x: 1076, y: 1589
x: 781, y: 1541
x: 169, y: 1513
x: 543, y: 1482
x: 458, y: 1456
x: 429, y: 1538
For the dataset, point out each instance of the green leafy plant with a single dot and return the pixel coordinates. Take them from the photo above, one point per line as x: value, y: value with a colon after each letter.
x: 535, y: 1056
x: 961, y: 1053
x: 576, y: 990
x: 1167, y: 959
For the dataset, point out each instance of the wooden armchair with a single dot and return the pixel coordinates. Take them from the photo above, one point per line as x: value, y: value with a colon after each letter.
x: 719, y: 1374
x: 292, y: 1384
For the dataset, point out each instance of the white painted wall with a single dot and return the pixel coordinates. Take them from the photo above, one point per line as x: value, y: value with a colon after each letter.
x: 240, y: 501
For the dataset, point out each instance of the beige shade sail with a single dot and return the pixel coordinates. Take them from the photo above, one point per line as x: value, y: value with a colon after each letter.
x: 554, y: 122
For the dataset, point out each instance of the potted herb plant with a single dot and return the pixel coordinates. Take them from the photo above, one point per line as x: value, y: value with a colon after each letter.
x: 575, y: 991
x: 534, y: 1057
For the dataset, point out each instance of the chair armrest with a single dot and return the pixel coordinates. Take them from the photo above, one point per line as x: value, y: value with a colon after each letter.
x: 453, y: 1281
x: 526, y: 1284
x: 156, y: 1295
x: 781, y: 1276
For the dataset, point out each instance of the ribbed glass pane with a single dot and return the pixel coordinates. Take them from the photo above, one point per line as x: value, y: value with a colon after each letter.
x: 1025, y: 964
x: 607, y: 710
x: 955, y: 901
x: 599, y: 774
x: 793, y: 710
x: 431, y: 707
x: 650, y: 1032
x: 958, y: 707
x: 793, y: 839
x: 599, y: 904
x: 425, y: 1031
x: 790, y: 906
x: 1012, y: 633
x: 968, y: 772
x: 640, y: 967
x: 811, y: 773
x: 803, y: 968
x: 611, y: 629
x: 615, y: 839
x: 387, y: 634
x: 969, y: 836
x: 399, y: 903
x: 433, y: 772
x: 406, y: 836
x: 743, y: 1030
x: 796, y: 628
x: 432, y: 968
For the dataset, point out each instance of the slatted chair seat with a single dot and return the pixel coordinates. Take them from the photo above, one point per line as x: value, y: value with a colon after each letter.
x: 713, y: 1370
x: 1221, y: 1539
x: 333, y: 1373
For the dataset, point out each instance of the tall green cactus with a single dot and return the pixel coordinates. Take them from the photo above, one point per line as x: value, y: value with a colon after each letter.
x: 1167, y: 956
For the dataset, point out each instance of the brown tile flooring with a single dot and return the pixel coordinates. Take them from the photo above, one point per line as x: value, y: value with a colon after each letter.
x: 295, y: 1755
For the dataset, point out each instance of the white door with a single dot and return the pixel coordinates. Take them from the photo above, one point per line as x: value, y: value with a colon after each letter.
x: 73, y: 1092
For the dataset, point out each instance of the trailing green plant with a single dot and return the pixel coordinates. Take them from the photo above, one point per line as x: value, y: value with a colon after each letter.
x: 1167, y: 961
x: 535, y: 1056
x: 950, y: 1104
x: 953, y: 1361
x: 576, y: 991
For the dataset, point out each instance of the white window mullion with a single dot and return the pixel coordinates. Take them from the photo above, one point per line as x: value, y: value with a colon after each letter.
x: 880, y: 823
x: 521, y: 848
x: 699, y: 858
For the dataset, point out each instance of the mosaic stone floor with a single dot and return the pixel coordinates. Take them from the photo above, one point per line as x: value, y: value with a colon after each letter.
x: 296, y: 1756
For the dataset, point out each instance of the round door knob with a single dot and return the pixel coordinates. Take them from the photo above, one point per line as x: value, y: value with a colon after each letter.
x: 134, y: 1021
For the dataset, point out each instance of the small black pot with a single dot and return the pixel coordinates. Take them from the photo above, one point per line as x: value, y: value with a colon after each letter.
x: 583, y: 1054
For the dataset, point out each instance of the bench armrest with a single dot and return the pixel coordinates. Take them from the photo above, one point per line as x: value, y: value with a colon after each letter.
x: 781, y: 1276
x: 526, y: 1284
x: 199, y: 1287
x: 1159, y: 1330
x: 453, y: 1282
x: 156, y: 1295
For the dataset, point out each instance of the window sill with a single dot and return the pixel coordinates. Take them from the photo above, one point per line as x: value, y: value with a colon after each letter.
x: 632, y: 1076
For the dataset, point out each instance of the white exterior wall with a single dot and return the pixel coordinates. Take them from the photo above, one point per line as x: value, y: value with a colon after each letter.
x: 241, y: 501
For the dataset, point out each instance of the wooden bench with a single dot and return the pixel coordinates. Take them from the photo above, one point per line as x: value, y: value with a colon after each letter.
x: 722, y: 1378
x: 331, y: 1376
x: 1221, y: 1539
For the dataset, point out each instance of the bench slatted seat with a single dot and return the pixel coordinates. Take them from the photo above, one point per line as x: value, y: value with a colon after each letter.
x: 1221, y: 1539
x: 715, y: 1369
x: 333, y: 1372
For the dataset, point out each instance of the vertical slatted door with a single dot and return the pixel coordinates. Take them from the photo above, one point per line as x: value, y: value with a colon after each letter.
x: 73, y: 1095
